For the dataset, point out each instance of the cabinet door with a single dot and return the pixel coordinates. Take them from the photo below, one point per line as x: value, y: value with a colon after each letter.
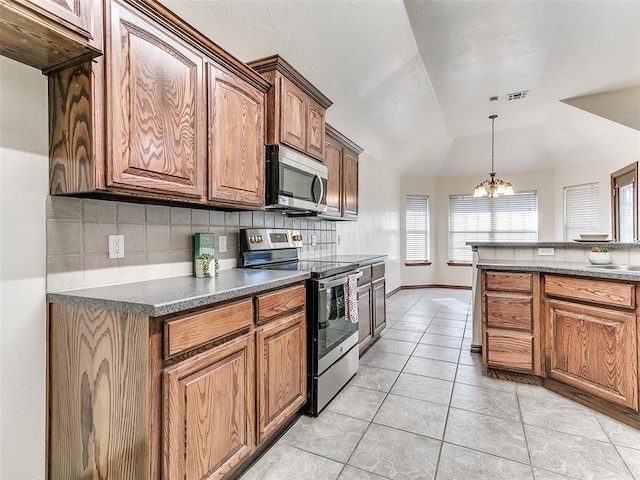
x: 236, y: 140
x: 593, y: 349
x: 365, y: 317
x: 281, y: 371
x: 350, y: 191
x: 73, y: 14
x: 379, y: 306
x: 333, y: 162
x: 293, y: 115
x: 156, y: 136
x: 209, y: 412
x: 315, y: 130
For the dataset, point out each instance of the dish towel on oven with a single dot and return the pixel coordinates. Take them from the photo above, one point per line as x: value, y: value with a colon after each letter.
x: 351, y: 294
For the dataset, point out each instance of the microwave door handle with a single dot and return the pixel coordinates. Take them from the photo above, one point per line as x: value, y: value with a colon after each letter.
x: 319, y: 178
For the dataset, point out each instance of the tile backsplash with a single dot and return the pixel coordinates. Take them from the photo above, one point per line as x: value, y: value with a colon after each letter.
x: 158, y: 239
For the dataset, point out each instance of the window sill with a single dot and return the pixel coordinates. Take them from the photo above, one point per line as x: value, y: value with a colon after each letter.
x: 459, y: 264
x: 417, y: 264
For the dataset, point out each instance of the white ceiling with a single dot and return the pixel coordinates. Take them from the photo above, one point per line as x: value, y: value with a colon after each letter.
x: 411, y: 80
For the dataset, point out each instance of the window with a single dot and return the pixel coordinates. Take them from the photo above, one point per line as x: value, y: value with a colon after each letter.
x: 417, y: 229
x: 624, y: 202
x: 512, y: 218
x: 581, y: 210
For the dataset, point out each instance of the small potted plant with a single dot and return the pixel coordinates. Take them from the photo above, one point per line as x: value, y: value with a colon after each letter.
x: 600, y: 256
x: 204, y: 263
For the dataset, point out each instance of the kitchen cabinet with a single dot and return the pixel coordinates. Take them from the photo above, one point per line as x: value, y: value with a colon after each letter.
x: 189, y: 395
x: 170, y: 136
x: 371, y: 305
x: 296, y: 109
x: 365, y: 315
x: 341, y: 160
x: 236, y: 139
x: 511, y: 321
x: 156, y: 136
x: 50, y: 34
x: 281, y: 371
x: 592, y: 337
x: 209, y: 415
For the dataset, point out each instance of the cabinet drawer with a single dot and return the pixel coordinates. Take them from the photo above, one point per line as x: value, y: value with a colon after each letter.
x: 509, y: 311
x: 377, y: 271
x: 594, y: 291
x: 272, y: 304
x: 509, y: 281
x: 510, y: 351
x: 191, y: 331
x: 366, y: 275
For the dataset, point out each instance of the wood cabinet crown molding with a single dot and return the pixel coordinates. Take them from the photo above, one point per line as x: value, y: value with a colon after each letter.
x: 342, y: 139
x: 279, y: 64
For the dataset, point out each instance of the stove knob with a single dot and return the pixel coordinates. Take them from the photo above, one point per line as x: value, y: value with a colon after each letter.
x: 259, y: 238
x: 252, y: 238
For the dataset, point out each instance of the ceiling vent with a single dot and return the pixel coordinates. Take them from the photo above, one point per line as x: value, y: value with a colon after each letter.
x: 517, y: 95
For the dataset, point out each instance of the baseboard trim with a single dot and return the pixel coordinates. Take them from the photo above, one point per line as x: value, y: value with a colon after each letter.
x: 393, y: 291
x: 435, y: 285
x: 514, y: 376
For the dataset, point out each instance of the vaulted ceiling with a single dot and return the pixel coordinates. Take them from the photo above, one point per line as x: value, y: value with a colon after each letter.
x: 411, y: 81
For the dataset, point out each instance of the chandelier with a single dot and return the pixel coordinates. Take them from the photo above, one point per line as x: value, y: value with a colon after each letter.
x: 493, y: 187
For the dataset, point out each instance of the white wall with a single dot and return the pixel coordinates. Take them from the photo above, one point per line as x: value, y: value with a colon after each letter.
x: 377, y: 230
x: 23, y: 190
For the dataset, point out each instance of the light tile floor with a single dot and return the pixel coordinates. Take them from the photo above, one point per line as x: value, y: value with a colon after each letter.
x: 421, y: 407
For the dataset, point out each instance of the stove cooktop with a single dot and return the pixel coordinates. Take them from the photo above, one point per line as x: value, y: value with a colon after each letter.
x: 318, y: 269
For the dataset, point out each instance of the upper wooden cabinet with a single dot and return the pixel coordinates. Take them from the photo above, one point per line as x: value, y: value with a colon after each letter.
x: 48, y: 34
x: 341, y: 159
x: 186, y: 119
x: 156, y: 136
x: 236, y: 139
x: 296, y: 112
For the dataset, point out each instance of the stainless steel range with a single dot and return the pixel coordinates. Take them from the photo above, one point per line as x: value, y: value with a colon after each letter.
x: 332, y: 330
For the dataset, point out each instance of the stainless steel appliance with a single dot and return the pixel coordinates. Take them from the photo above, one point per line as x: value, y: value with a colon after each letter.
x: 295, y: 183
x: 332, y: 349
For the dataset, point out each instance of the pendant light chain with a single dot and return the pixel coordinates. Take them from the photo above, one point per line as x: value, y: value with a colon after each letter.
x: 493, y: 141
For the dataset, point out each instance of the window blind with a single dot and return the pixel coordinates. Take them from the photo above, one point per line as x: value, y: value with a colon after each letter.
x: 581, y: 210
x: 512, y: 218
x: 417, y: 229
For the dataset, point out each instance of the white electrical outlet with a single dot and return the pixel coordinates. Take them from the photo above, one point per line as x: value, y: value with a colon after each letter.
x: 339, y: 240
x: 313, y: 240
x: 116, y: 246
x: 546, y: 252
x: 222, y: 243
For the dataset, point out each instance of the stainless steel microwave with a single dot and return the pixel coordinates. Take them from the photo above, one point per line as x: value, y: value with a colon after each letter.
x: 295, y: 182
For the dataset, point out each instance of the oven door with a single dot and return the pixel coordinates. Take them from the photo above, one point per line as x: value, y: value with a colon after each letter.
x: 335, y: 333
x: 295, y: 182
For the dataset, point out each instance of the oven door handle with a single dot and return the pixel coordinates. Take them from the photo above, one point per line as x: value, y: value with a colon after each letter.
x: 339, y: 281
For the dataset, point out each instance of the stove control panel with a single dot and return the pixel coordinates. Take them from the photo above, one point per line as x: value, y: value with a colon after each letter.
x: 269, y: 239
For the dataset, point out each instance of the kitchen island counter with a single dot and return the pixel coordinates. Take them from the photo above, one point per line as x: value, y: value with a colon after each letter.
x: 360, y: 260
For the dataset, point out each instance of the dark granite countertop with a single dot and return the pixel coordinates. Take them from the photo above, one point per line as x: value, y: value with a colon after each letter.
x: 565, y: 268
x: 361, y: 260
x: 574, y: 244
x: 170, y: 295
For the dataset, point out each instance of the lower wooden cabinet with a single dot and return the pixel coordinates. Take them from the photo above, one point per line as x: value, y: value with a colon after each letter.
x: 281, y: 371
x: 188, y: 396
x: 511, y: 321
x: 208, y: 411
x: 379, y: 305
x: 372, y: 305
x: 365, y: 314
x: 594, y: 349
